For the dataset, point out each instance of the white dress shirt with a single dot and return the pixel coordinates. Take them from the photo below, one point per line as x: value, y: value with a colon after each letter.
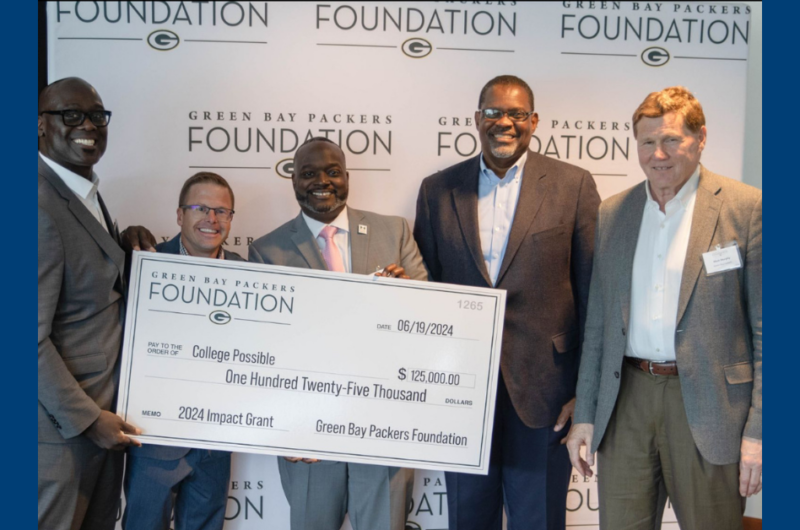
x: 84, y: 189
x: 497, y: 203
x: 341, y: 237
x: 657, y: 271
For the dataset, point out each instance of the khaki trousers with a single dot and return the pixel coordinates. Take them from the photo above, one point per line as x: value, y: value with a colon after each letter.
x: 648, y: 445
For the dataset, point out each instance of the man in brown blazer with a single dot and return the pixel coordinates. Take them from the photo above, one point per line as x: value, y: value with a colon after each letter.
x: 516, y: 220
x: 670, y: 381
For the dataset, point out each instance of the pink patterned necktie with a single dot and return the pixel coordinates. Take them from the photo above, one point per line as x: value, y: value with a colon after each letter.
x: 333, y: 258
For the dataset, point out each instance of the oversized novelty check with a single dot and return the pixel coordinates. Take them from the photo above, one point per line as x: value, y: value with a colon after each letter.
x: 295, y: 362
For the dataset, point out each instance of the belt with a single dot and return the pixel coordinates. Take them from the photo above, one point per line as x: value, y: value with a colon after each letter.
x: 653, y: 367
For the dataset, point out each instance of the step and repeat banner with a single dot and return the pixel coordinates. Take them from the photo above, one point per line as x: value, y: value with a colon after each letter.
x: 236, y: 87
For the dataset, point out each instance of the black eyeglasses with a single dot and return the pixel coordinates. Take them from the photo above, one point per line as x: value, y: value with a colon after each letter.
x: 513, y: 114
x: 75, y: 118
x: 223, y: 214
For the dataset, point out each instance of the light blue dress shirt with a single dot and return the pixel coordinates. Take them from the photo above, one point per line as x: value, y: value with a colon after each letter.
x: 497, y: 203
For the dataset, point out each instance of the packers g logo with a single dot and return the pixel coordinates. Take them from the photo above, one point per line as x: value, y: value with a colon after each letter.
x: 417, y: 48
x: 655, y: 56
x: 219, y: 317
x: 163, y: 40
x: 285, y: 168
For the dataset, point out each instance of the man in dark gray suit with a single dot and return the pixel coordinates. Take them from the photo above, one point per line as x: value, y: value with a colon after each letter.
x: 192, y: 481
x: 516, y: 220
x: 328, y: 235
x: 669, y: 392
x: 81, y: 308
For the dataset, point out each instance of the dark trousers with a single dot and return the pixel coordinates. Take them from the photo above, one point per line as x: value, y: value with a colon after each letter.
x: 528, y: 473
x: 196, y: 486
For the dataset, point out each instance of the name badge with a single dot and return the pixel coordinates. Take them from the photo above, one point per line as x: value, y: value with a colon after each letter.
x: 722, y: 259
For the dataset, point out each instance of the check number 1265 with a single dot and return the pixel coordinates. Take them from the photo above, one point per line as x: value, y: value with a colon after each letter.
x: 470, y: 305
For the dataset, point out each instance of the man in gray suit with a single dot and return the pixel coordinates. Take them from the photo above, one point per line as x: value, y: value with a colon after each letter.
x: 669, y: 388
x: 80, y: 317
x: 329, y: 235
x: 193, y: 482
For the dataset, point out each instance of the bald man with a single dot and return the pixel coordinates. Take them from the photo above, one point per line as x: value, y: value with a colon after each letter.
x: 323, y: 237
x: 81, y: 308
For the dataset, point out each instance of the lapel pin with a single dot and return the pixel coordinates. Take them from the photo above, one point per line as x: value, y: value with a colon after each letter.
x: 362, y: 229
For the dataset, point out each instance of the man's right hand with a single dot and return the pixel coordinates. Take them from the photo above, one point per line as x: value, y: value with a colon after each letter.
x: 109, y: 432
x: 581, y: 434
x: 138, y: 238
x: 294, y: 459
x: 393, y: 271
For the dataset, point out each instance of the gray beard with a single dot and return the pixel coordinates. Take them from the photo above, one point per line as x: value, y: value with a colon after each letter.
x: 504, y: 151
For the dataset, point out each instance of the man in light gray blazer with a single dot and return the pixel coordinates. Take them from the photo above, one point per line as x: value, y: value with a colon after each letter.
x: 669, y: 388
x: 80, y: 317
x: 327, y: 235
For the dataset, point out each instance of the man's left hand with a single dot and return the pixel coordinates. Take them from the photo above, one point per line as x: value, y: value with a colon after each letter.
x: 750, y: 467
x: 566, y: 414
x: 393, y: 271
x: 138, y: 238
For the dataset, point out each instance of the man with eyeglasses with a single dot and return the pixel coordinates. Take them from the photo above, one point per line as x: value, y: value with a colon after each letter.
x: 512, y: 219
x: 81, y: 307
x: 193, y: 482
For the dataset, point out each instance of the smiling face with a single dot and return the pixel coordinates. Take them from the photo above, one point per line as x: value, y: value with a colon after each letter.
x: 204, y: 234
x: 503, y: 141
x: 320, y: 180
x: 76, y: 148
x: 668, y: 152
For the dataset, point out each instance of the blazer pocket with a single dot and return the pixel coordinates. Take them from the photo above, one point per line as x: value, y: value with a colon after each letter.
x: 564, y: 342
x: 86, y: 364
x: 739, y: 373
x: 556, y: 230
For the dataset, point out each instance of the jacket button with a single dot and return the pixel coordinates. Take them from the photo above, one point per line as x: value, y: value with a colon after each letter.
x: 616, y: 374
x: 623, y: 332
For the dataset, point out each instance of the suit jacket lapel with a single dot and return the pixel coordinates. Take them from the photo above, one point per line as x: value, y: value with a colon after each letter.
x: 704, y: 224
x: 113, y: 229
x: 465, y: 200
x: 532, y: 193
x: 625, y: 245
x: 103, y: 239
x: 359, y: 243
x: 304, y: 241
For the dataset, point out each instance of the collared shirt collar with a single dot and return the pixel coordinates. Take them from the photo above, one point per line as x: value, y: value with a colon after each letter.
x: 341, y: 222
x: 184, y: 252
x: 81, y: 187
x: 513, y: 171
x: 683, y: 196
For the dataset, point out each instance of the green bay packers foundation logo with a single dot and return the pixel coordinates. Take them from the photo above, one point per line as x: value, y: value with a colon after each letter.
x: 417, y: 48
x: 163, y: 40
x: 219, y: 317
x: 655, y: 56
x: 285, y: 168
